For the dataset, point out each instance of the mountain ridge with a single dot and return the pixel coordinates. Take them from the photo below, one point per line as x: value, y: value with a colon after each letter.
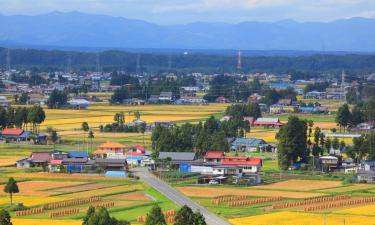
x: 76, y: 29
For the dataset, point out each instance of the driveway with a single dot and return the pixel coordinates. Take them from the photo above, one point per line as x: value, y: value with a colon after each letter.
x: 177, y: 197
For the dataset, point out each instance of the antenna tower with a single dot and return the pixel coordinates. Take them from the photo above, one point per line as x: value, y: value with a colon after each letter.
x: 8, y: 60
x: 169, y: 62
x: 97, y: 62
x: 342, y: 80
x: 138, y: 63
x: 239, y: 60
x: 69, y: 63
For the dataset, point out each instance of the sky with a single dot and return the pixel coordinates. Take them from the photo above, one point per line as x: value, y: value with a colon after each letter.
x: 187, y: 11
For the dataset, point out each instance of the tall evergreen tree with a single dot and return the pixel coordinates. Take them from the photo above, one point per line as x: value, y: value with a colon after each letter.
x: 155, y: 216
x: 11, y: 188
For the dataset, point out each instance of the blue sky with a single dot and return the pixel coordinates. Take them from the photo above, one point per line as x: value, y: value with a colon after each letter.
x: 186, y: 11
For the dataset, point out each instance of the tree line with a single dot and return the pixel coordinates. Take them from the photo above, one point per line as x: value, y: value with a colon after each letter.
x: 22, y: 117
x: 210, y: 135
x: 37, y: 60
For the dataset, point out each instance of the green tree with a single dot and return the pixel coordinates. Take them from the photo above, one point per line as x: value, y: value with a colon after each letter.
x: 5, y: 218
x: 186, y: 216
x: 11, y: 188
x: 343, y: 116
x: 85, y: 126
x: 155, y: 216
x: 357, y: 116
x: 89, y: 213
x: 119, y: 118
x: 292, y: 142
x: 101, y: 216
x: 335, y: 143
x: 137, y: 115
x: 328, y: 144
x: 57, y: 99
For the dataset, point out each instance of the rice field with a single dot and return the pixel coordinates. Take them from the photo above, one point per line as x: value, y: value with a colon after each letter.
x: 354, y: 187
x: 211, y: 192
x: 288, y: 218
x: 17, y: 221
x: 301, y: 185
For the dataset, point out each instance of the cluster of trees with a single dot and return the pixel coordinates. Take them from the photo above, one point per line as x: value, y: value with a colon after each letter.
x: 21, y: 117
x: 101, y: 216
x: 31, y: 79
x: 322, y: 86
x: 57, y: 99
x: 120, y: 126
x: 199, y: 62
x: 237, y: 90
x: 362, y: 112
x: 210, y: 135
x: 363, y: 148
x: 131, y: 88
x: 184, y: 216
x: 292, y: 142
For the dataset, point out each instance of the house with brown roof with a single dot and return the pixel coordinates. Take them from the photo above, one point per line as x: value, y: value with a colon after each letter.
x: 110, y: 149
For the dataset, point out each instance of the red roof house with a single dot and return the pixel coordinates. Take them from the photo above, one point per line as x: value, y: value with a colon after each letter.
x: 214, y: 156
x: 12, y: 131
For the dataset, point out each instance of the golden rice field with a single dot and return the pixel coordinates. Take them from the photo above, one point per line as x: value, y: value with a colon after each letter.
x: 300, y: 218
x: 301, y: 185
x: 37, y: 187
x: 367, y: 210
x: 100, y: 114
x: 8, y: 160
x: 354, y: 187
x: 17, y: 221
x: 211, y: 192
x: 30, y: 200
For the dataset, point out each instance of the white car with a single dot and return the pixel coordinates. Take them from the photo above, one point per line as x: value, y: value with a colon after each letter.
x: 213, y: 182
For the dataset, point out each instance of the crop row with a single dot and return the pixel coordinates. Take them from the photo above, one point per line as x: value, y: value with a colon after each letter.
x: 254, y: 201
x: 340, y: 204
x: 71, y: 203
x: 64, y: 213
x: 310, y: 201
x: 218, y: 200
x: 169, y: 216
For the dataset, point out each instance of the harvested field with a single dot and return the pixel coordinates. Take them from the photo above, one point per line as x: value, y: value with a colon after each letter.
x: 62, y: 176
x: 84, y: 187
x: 288, y: 218
x: 17, y: 221
x: 8, y: 160
x: 300, y: 185
x: 102, y: 191
x: 214, y: 192
x: 30, y: 200
x: 354, y: 187
x: 133, y: 196
x: 36, y: 188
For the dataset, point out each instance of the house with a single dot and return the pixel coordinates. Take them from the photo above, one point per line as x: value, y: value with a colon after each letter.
x: 222, y: 99
x: 78, y: 155
x: 268, y: 122
x: 366, y: 173
x: 248, y: 144
x: 110, y: 150
x: 279, y: 86
x: 178, y: 157
x: 286, y: 101
x: 134, y: 101
x: 15, y: 134
x: 111, y: 164
x: 4, y: 103
x: 214, y: 156
x: 79, y: 103
x: 164, y: 123
x: 153, y: 99
x: 225, y: 118
x: 240, y: 166
x: 254, y: 97
x: 40, y: 159
x: 277, y: 108
x: 166, y: 96
x: 329, y: 163
x: 190, y: 100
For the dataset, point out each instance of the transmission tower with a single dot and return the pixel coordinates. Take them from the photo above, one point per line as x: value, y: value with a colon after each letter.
x: 8, y: 60
x: 343, y: 81
x: 169, y: 62
x: 69, y: 63
x: 239, y: 60
x: 138, y: 64
x: 97, y: 62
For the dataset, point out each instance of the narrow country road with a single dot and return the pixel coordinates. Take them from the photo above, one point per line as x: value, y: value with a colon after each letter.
x: 177, y: 197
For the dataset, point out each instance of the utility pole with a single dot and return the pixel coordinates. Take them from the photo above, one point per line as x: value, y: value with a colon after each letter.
x: 138, y: 64
x: 8, y: 73
x: 69, y: 63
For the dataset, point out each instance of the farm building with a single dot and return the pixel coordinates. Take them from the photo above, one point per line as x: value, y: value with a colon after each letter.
x: 279, y: 86
x: 248, y: 144
x: 79, y: 103
x: 268, y: 122
x: 367, y: 172
x: 15, y: 134
x: 4, y: 103
x: 110, y: 150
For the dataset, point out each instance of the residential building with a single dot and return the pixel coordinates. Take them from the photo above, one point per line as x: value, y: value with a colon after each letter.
x: 366, y: 173
x: 4, y: 103
x: 268, y: 122
x: 166, y: 96
x: 79, y: 103
x: 250, y: 145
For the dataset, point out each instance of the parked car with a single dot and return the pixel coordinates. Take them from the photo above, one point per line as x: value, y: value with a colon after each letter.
x: 213, y: 182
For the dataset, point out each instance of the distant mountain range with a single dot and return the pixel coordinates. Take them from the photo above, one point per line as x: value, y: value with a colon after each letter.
x: 79, y: 30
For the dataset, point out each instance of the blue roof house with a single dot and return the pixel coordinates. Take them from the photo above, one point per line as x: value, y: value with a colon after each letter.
x: 248, y: 144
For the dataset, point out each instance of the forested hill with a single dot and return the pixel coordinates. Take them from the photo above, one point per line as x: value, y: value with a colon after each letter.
x: 197, y: 62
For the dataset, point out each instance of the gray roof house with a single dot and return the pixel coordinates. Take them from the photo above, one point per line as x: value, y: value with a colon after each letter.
x: 178, y: 157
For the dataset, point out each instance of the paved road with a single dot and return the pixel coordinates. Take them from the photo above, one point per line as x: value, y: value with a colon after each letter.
x: 177, y: 197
